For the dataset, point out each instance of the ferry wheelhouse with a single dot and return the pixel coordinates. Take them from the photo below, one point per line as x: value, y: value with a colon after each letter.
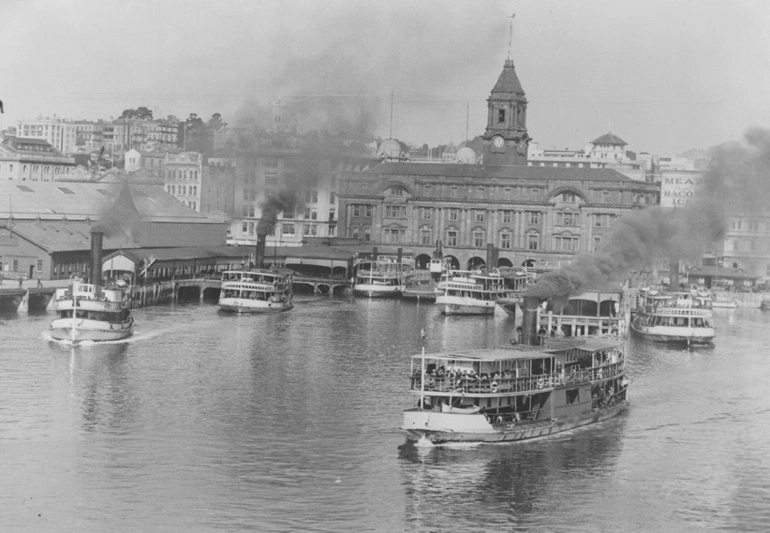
x: 543, y: 386
x: 378, y: 278
x: 89, y: 312
x: 256, y: 291
x: 467, y: 292
x: 676, y: 317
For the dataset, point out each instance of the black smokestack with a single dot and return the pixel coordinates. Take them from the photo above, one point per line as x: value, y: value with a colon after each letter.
x: 97, y: 239
x: 374, y: 254
x: 529, y: 323
x: 491, y: 256
x: 399, y: 255
x: 259, y: 254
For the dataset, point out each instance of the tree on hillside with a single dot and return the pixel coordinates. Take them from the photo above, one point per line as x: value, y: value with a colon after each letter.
x: 142, y: 113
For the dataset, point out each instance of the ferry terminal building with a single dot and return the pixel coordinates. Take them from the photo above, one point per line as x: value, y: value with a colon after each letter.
x: 526, y: 213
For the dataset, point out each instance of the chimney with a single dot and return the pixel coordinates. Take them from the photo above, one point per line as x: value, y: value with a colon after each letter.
x: 374, y: 254
x: 673, y: 276
x: 259, y: 253
x: 400, y: 255
x: 529, y: 321
x: 491, y: 256
x: 97, y: 240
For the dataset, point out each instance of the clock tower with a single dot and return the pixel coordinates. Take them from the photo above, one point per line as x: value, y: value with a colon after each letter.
x: 506, y: 139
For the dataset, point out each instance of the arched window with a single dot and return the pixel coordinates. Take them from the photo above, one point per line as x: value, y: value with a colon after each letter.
x: 479, y: 238
x: 452, y: 236
x: 426, y: 235
x: 505, y: 240
x: 533, y: 240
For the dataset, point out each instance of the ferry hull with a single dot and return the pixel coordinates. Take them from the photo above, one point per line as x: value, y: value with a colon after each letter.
x: 79, y: 330
x: 243, y: 307
x: 452, y: 306
x: 373, y: 291
x: 675, y: 335
x: 440, y: 428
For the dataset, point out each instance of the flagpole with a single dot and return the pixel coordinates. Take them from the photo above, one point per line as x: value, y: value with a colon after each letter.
x: 422, y: 372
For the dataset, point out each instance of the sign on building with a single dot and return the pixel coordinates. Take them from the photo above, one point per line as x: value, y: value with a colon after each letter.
x: 677, y: 189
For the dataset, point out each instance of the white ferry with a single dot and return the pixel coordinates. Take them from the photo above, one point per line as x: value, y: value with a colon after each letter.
x: 517, y: 392
x: 256, y: 291
x: 378, y: 278
x: 89, y: 312
x: 673, y: 317
x: 466, y: 292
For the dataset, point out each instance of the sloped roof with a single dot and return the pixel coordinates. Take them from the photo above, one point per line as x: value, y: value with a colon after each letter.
x: 66, y: 237
x: 722, y: 272
x: 609, y: 138
x: 508, y: 82
x: 505, y: 172
x: 78, y: 201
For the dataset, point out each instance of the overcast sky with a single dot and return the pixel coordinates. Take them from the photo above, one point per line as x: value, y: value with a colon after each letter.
x: 665, y: 75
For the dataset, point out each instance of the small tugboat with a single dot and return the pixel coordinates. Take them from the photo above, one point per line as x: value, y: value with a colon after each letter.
x: 383, y: 277
x: 90, y: 311
x: 256, y: 291
x: 676, y: 317
x: 476, y: 292
x: 538, y: 387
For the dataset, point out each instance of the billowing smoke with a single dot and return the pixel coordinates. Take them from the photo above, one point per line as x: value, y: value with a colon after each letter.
x: 285, y: 201
x: 119, y: 216
x: 737, y: 182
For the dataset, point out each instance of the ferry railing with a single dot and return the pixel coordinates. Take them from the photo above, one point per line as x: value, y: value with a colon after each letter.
x: 490, y: 385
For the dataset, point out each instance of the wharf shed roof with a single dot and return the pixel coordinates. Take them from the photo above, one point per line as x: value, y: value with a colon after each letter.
x: 81, y: 200
x: 511, y: 172
x: 67, y: 237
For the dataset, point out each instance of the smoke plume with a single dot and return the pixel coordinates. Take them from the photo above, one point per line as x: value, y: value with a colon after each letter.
x: 285, y: 201
x: 736, y: 183
x: 119, y: 216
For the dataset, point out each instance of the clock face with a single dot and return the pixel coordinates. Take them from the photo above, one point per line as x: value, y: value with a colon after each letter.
x: 498, y: 141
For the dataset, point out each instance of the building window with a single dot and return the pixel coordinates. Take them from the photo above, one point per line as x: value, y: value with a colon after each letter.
x: 597, y: 243
x: 39, y: 266
x: 736, y: 223
x: 367, y: 233
x: 332, y: 230
x: 567, y: 219
x: 287, y: 229
x: 245, y: 227
x: 428, y: 190
x: 478, y: 215
x: 605, y: 197
x: 501, y: 116
x: 507, y: 217
x: 395, y: 211
x: 454, y: 191
x: 426, y: 236
x: 311, y: 197
x: 356, y: 210
x: 508, y: 193
x: 393, y: 234
x: 355, y: 232
x: 425, y: 213
x: 332, y: 197
x: 478, y: 239
x: 534, y: 218
x: 396, y: 191
x: 453, y: 215
x: 533, y: 241
x: 566, y: 243
x: 368, y: 210
x: 534, y: 193
x: 451, y: 237
x: 602, y: 220
x: 505, y: 240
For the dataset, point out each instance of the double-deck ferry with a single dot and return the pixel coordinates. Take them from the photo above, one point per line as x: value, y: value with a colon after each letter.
x: 476, y: 292
x: 538, y: 387
x: 676, y: 317
x: 377, y: 278
x: 256, y: 291
x: 90, y: 312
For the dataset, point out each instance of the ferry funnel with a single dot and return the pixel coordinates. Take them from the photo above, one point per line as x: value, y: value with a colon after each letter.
x: 97, y: 241
x: 529, y: 320
x: 259, y: 253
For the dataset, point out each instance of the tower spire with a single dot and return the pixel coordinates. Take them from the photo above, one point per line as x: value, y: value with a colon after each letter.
x: 510, y: 34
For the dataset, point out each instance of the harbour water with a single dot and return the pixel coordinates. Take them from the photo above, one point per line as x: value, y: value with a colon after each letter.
x: 289, y: 422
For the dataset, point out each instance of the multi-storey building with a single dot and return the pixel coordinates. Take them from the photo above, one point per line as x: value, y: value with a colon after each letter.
x: 59, y: 133
x: 527, y: 213
x: 32, y: 160
x: 183, y: 177
x: 310, y: 171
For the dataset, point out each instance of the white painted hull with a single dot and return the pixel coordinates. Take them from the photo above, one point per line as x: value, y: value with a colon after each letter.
x: 247, y: 306
x: 675, y: 334
x: 458, y: 305
x: 377, y: 291
x: 78, y: 330
x: 439, y: 427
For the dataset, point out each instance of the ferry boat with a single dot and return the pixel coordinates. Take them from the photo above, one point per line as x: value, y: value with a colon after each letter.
x: 90, y: 312
x: 256, y: 291
x: 466, y: 292
x: 384, y: 277
x: 539, y: 387
x: 723, y: 301
x: 673, y: 317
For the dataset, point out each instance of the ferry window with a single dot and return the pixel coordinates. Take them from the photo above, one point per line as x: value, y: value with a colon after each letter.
x: 573, y: 396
